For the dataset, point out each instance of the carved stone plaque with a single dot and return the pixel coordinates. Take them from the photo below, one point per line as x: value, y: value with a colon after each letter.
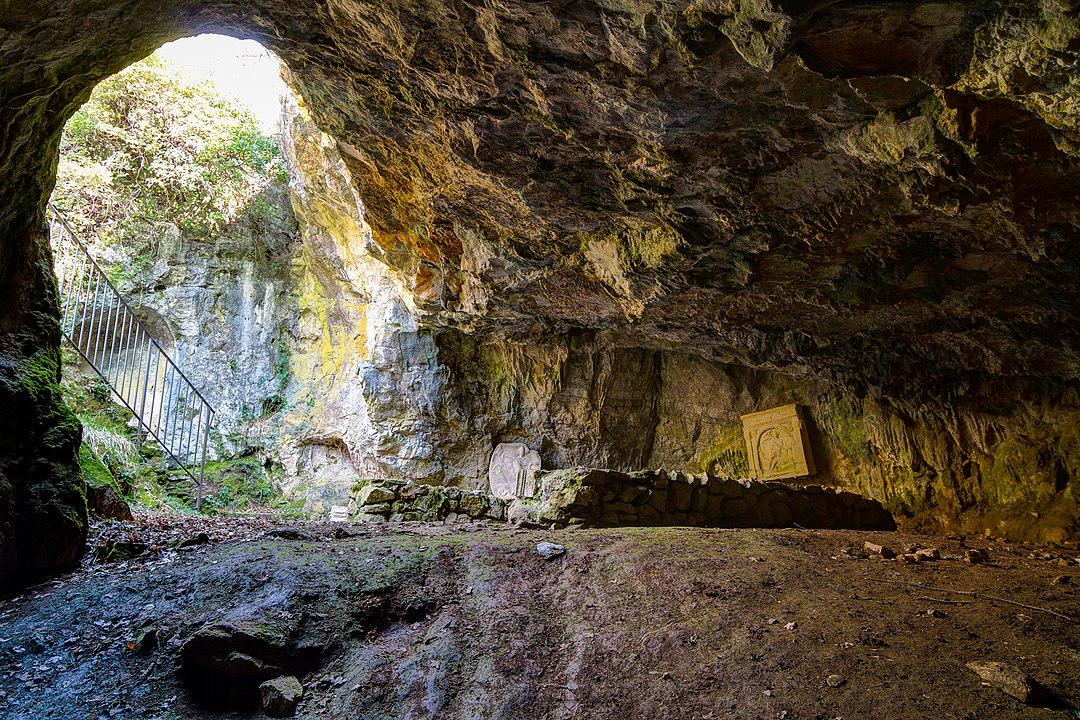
x: 512, y: 472
x: 777, y: 443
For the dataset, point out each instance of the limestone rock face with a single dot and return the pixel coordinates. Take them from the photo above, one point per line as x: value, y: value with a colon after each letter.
x: 874, y: 196
x: 224, y: 310
x: 364, y: 381
x: 1001, y: 458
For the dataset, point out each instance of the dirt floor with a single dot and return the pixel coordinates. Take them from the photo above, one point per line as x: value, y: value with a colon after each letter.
x: 428, y: 621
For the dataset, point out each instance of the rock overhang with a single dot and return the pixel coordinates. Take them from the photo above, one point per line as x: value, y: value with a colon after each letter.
x: 851, y: 189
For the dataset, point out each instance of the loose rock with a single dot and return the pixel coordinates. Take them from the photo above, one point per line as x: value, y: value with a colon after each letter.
x: 976, y: 556
x: 200, y: 539
x: 875, y: 549
x: 280, y: 695
x: 550, y: 551
x: 1009, y: 679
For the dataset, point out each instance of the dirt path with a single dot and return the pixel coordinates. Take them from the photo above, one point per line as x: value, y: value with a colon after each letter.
x: 417, y: 621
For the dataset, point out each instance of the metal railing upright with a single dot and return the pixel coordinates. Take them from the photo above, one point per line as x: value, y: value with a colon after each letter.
x: 109, y: 336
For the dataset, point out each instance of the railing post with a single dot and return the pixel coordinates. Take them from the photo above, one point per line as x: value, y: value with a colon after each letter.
x: 202, y: 463
x: 145, y: 384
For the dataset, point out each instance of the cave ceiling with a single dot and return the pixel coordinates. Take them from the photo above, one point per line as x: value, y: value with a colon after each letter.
x: 874, y: 192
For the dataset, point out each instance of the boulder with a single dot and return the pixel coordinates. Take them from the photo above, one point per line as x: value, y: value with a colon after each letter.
x: 105, y: 503
x: 280, y: 695
x: 550, y: 551
x: 1007, y: 678
x: 474, y: 504
x: 225, y: 662
x: 373, y: 494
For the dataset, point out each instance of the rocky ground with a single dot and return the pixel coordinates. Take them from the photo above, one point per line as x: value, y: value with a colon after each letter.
x: 414, y: 620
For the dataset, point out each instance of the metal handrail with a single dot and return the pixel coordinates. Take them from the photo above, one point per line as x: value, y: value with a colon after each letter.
x: 109, y: 336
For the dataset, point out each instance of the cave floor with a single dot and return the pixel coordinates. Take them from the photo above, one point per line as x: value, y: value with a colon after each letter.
x: 431, y: 621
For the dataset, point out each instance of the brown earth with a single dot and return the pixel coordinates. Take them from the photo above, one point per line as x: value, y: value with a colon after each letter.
x: 415, y: 620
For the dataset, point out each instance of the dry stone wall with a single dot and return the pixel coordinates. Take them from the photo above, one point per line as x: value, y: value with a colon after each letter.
x: 399, y: 500
x: 605, y: 498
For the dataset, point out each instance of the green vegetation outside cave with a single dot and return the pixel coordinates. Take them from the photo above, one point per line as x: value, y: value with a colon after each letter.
x: 149, y: 149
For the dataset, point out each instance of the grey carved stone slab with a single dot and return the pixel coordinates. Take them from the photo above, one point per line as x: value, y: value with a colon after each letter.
x: 512, y: 472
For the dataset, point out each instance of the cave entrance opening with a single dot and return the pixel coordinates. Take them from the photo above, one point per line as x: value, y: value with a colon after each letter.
x: 172, y: 229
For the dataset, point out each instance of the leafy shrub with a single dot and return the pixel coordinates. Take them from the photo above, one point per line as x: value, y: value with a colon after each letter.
x: 149, y: 147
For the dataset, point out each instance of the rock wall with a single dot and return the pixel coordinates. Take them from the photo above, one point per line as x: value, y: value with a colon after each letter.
x: 363, y: 379
x: 607, y: 498
x: 43, y: 515
x: 998, y: 458
x: 224, y: 308
x: 374, y: 395
x: 397, y: 501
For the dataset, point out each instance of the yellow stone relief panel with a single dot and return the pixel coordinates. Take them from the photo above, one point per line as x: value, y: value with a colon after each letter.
x: 777, y: 443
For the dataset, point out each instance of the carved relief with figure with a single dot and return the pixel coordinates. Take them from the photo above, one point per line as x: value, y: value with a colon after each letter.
x: 512, y: 471
x: 777, y: 443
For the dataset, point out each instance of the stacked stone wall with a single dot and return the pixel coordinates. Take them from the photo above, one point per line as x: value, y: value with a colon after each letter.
x: 399, y: 500
x: 607, y: 498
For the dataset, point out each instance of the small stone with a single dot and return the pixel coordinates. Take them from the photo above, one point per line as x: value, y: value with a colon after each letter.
x: 550, y: 551
x: 835, y: 681
x: 1009, y: 679
x: 882, y: 550
x: 280, y: 695
x: 910, y: 558
x: 774, y: 621
x: 976, y: 556
x: 791, y: 626
x: 928, y: 554
x: 935, y: 613
x: 119, y: 550
x: 1061, y: 580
